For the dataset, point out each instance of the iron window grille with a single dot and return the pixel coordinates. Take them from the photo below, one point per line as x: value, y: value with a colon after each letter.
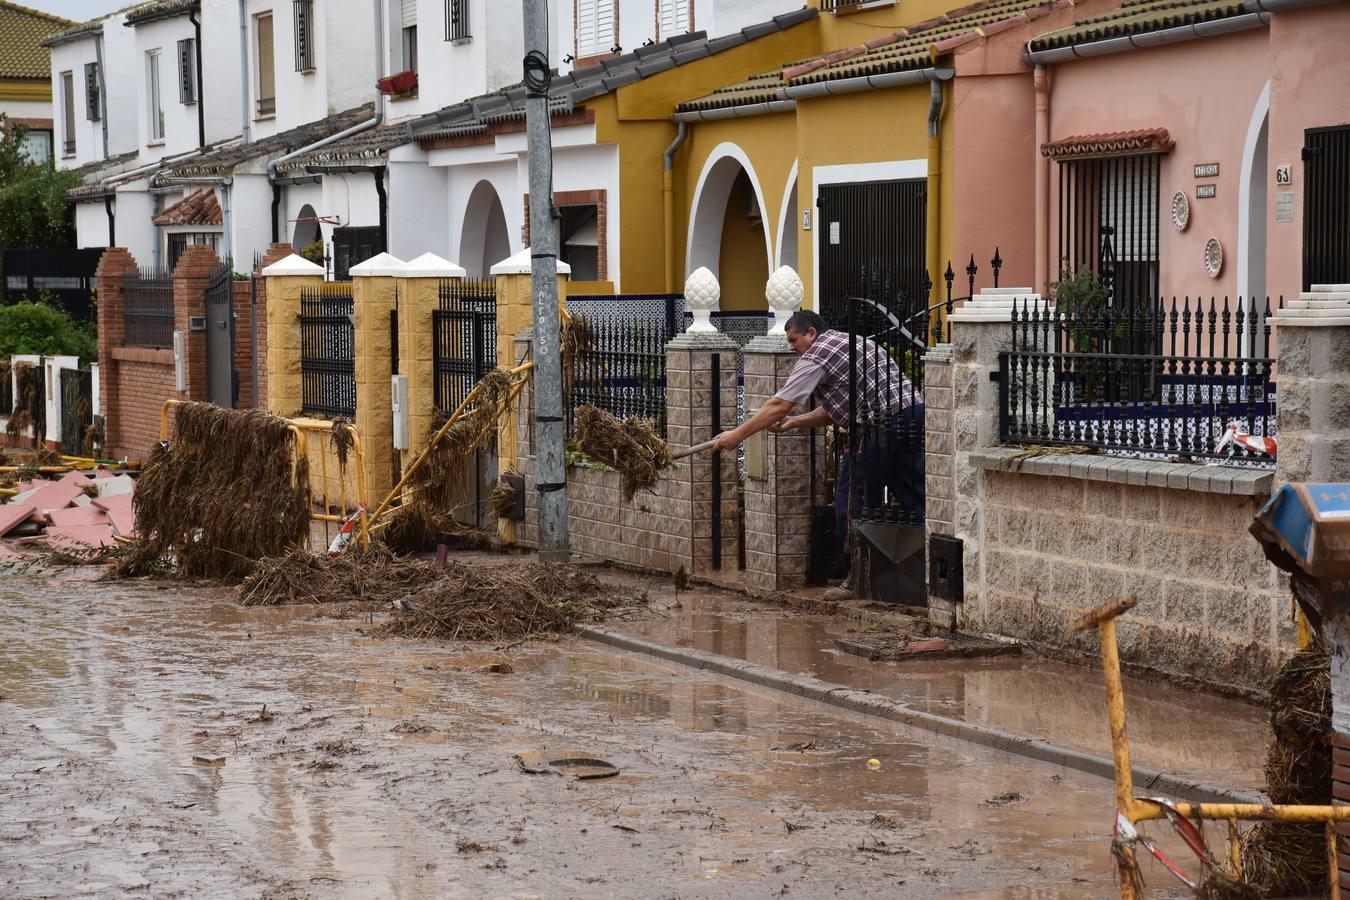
x: 147, y: 309
x: 1109, y: 214
x: 1326, y: 206
x: 457, y: 20
x: 93, y: 109
x: 187, y: 71
x: 304, y: 35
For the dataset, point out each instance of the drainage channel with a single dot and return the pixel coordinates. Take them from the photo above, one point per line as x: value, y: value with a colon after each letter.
x: 1147, y: 780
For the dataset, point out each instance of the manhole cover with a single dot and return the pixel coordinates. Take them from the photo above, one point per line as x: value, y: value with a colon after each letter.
x: 892, y: 647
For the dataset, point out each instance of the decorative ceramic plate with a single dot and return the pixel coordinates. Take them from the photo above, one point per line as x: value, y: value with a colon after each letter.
x: 1181, y: 211
x: 1213, y: 257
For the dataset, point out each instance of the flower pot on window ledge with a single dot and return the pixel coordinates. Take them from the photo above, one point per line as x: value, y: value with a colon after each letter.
x: 401, y: 83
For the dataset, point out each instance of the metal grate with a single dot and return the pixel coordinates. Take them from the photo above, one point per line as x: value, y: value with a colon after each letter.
x: 327, y: 351
x: 1326, y: 206
x: 620, y: 361
x: 464, y: 328
x: 1070, y: 378
x: 147, y: 309
x: 77, y: 407
x: 457, y: 20
x: 1109, y: 215
x: 187, y: 70
x: 304, y: 35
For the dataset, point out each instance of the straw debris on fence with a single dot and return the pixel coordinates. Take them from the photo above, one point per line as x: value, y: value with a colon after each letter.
x: 226, y: 493
x: 502, y: 497
x: 632, y: 447
x: 1291, y: 857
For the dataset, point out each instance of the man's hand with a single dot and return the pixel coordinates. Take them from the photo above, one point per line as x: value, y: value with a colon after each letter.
x: 784, y: 425
x: 726, y: 441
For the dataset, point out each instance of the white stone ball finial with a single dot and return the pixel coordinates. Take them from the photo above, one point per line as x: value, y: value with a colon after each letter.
x: 784, y: 293
x: 701, y: 292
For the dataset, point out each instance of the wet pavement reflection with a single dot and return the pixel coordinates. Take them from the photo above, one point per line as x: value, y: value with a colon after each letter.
x: 162, y: 740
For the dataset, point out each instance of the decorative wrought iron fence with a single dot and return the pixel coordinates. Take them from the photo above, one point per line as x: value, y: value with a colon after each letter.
x: 619, y: 361
x: 465, y: 334
x: 1089, y: 376
x: 77, y: 407
x: 147, y: 309
x: 327, y: 350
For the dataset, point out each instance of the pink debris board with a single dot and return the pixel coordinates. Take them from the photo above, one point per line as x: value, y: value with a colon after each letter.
x: 12, y: 514
x: 86, y: 515
x: 55, y: 495
x: 80, y: 536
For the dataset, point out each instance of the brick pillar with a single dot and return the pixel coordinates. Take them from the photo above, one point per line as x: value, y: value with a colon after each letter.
x: 981, y: 329
x: 275, y: 254
x: 190, y: 278
x: 515, y: 316
x: 778, y: 484
x: 689, y: 421
x: 939, y: 462
x: 374, y: 296
x: 285, y: 279
x: 1313, y: 427
x: 113, y: 266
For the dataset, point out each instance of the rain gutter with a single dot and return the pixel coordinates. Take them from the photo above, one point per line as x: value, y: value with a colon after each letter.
x: 785, y: 98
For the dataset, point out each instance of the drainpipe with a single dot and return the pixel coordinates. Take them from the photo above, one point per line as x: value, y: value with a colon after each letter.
x: 243, y: 68
x: 368, y: 124
x: 201, y: 95
x: 378, y: 172
x: 1042, y: 82
x: 668, y: 201
x: 102, y: 96
x: 224, y: 182
x: 112, y: 220
x: 936, y: 106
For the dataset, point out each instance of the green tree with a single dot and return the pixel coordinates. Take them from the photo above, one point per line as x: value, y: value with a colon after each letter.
x: 37, y: 328
x: 32, y: 196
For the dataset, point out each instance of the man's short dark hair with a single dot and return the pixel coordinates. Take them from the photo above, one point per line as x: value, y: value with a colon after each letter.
x: 805, y: 319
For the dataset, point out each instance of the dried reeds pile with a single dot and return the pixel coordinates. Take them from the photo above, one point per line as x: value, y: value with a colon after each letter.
x: 428, y: 510
x: 360, y: 575
x: 632, y: 447
x: 1291, y: 858
x: 24, y: 414
x: 502, y: 497
x: 221, y: 497
x: 510, y: 601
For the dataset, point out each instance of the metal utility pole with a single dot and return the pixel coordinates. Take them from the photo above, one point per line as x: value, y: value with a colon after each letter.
x: 551, y: 473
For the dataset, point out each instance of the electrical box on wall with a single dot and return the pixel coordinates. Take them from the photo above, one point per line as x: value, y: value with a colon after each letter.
x: 946, y: 568
x: 399, y: 395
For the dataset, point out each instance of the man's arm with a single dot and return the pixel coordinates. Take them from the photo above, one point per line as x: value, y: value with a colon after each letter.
x: 816, y: 418
x: 772, y: 412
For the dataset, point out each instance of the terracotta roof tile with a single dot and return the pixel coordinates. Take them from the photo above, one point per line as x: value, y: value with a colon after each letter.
x: 200, y: 208
x: 1113, y: 143
x: 1138, y: 17
x: 22, y: 31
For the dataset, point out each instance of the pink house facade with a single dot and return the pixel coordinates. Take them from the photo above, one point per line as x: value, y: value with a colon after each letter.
x: 1207, y: 154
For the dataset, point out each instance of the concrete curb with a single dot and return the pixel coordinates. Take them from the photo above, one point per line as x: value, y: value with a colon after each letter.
x: 1146, y: 780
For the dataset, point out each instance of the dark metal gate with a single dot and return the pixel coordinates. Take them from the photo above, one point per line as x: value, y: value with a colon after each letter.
x: 77, y: 408
x: 1326, y: 206
x: 464, y: 332
x: 327, y: 351
x: 872, y: 232
x: 222, y: 382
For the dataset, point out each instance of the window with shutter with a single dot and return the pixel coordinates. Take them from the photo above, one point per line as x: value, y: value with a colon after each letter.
x: 93, y: 109
x: 264, y: 73
x: 304, y: 35
x: 596, y: 27
x: 408, y: 9
x: 1109, y: 215
x: 68, y: 113
x: 457, y: 20
x: 154, y: 99
x: 187, y: 71
x: 673, y: 17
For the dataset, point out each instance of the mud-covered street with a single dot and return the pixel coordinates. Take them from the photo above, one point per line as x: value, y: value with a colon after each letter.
x: 161, y: 740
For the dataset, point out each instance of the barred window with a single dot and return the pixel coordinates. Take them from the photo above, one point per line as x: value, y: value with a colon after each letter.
x: 187, y: 71
x: 1109, y: 213
x: 457, y: 20
x: 93, y: 108
x: 304, y: 35
x: 597, y: 27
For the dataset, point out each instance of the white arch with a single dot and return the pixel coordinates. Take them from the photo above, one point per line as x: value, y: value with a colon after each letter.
x: 484, y: 236
x: 307, y: 231
x: 787, y: 219
x: 1255, y: 158
x: 703, y: 246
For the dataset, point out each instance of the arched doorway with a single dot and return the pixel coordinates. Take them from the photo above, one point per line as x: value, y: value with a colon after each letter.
x: 787, y: 225
x: 727, y: 231
x: 306, y: 230
x: 485, y: 240
x: 1253, y: 209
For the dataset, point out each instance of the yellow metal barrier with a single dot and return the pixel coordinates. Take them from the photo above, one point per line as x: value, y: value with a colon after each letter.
x: 1131, y: 810
x: 334, y: 508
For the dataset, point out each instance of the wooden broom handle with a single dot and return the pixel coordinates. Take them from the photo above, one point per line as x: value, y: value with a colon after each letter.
x: 697, y: 448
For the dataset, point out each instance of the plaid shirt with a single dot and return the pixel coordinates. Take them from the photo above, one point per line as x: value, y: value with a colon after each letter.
x: 884, y: 388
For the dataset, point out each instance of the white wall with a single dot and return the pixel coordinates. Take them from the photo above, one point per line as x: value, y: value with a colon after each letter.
x: 27, y: 109
x: 220, y: 65
x: 88, y: 135
x: 419, y: 194
x: 91, y: 224
x: 719, y: 17
x: 135, y: 210
x: 251, y: 209
x: 180, y: 119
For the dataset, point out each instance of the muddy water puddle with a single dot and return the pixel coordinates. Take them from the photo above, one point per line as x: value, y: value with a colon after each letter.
x: 168, y: 742
x: 1214, y: 740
